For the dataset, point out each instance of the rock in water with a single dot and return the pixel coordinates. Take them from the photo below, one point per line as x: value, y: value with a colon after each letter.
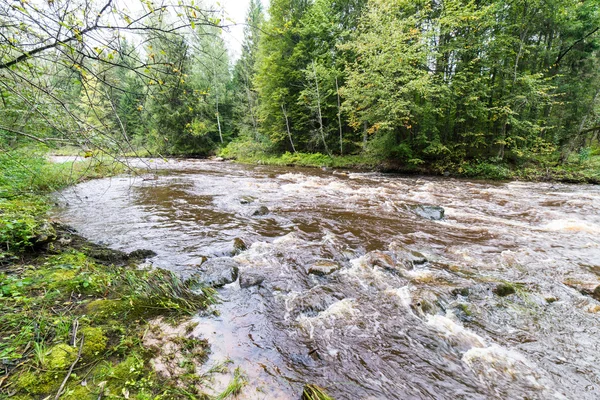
x: 262, y: 210
x: 247, y: 200
x: 434, y: 213
x: 217, y: 272
x: 238, y: 246
x: 249, y: 279
x: 403, y: 255
x: 323, y: 267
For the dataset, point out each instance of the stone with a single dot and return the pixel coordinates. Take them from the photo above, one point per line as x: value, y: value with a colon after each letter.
x: 260, y: 211
x: 323, y: 267
x: 141, y: 254
x: 434, y: 213
x: 217, y: 272
x: 249, y: 279
x: 407, y: 257
x: 238, y: 246
x: 380, y: 259
x: 247, y: 200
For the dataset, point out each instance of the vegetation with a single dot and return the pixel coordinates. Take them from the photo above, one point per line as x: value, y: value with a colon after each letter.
x: 491, y: 88
x: 74, y: 315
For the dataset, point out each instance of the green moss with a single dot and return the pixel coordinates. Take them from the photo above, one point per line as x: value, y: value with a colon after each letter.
x: 504, y: 289
x: 60, y: 357
x: 36, y: 383
x: 105, y: 308
x: 78, y: 393
x: 94, y: 341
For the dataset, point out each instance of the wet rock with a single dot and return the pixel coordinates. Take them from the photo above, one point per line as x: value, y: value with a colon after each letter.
x: 218, y: 159
x: 250, y: 278
x: 141, y: 254
x: 596, y: 293
x: 405, y: 256
x: 434, y: 213
x: 247, y: 200
x: 217, y: 272
x: 262, y: 210
x: 105, y: 254
x: 311, y: 303
x: 381, y: 260
x: 238, y: 246
x: 323, y: 268
x: 461, y: 291
x: 504, y: 289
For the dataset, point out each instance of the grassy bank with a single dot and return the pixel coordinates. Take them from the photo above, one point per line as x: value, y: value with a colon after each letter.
x: 79, y: 321
x: 578, y: 169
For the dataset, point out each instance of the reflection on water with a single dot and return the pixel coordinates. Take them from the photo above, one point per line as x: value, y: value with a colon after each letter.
x: 415, y: 309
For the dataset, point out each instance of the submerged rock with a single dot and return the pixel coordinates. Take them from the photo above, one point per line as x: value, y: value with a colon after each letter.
x: 217, y: 272
x: 262, y: 210
x: 434, y: 213
x: 323, y: 267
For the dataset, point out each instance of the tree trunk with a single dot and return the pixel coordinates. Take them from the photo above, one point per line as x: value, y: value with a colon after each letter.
x: 287, y: 126
x: 219, y: 120
x: 319, y: 110
x: 339, y: 115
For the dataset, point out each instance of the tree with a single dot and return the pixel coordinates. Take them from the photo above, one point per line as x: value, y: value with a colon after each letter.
x: 41, y: 39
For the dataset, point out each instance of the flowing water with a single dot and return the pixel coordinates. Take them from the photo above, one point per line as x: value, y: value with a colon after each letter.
x: 418, y: 308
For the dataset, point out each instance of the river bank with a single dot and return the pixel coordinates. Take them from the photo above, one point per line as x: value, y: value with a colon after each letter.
x: 576, y: 170
x: 80, y: 320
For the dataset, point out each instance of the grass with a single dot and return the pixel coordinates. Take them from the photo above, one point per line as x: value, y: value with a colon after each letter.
x: 314, y: 392
x: 234, y: 387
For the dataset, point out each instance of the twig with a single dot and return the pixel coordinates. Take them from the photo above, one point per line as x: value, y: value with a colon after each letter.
x: 74, y: 334
x: 64, y: 382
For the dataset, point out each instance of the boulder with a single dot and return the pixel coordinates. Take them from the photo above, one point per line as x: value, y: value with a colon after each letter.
x: 323, y: 267
x: 434, y: 213
x: 217, y: 272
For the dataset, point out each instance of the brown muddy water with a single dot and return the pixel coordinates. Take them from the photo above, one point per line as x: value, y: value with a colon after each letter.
x: 418, y: 309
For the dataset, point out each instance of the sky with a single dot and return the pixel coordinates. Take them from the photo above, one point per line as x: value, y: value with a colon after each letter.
x: 236, y: 11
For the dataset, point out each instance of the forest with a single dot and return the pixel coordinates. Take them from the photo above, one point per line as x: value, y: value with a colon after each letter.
x: 417, y: 83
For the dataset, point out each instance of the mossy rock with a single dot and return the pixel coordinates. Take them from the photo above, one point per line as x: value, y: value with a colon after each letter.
x: 60, y: 357
x: 94, y: 341
x: 504, y: 289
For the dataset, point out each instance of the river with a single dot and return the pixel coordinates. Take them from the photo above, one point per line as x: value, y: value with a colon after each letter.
x: 487, y: 302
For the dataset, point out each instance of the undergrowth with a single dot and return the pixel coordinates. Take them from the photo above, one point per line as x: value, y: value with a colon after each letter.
x: 582, y: 167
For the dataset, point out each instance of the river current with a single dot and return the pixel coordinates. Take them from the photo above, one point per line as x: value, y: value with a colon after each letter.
x: 495, y: 300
